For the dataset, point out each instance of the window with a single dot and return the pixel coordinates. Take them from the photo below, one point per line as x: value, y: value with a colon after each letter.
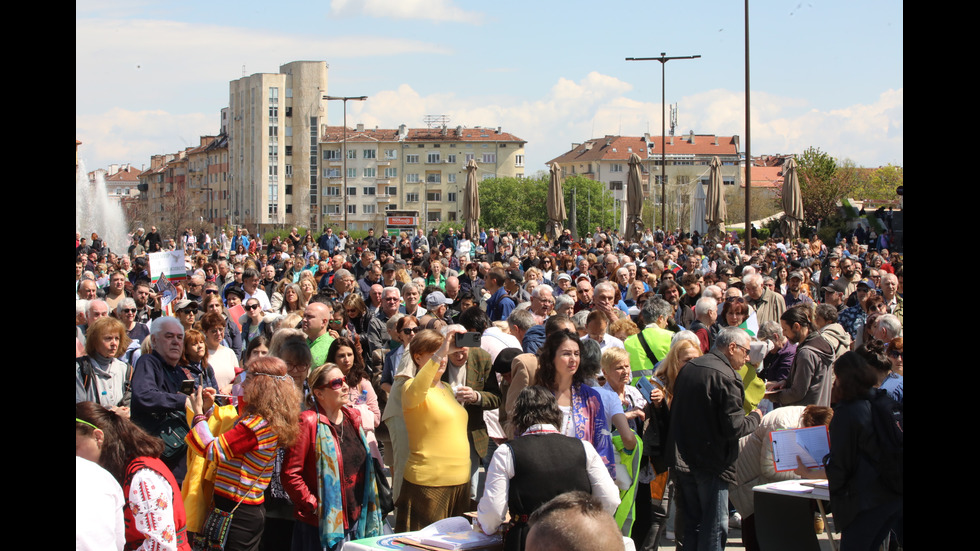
x: 468, y: 157
x: 351, y: 209
x: 289, y: 189
x: 370, y: 154
x: 391, y: 206
x: 433, y: 158
x: 331, y: 209
x: 331, y: 154
x: 451, y: 158
x: 616, y: 186
x: 289, y: 131
x: 369, y: 190
x: 411, y: 197
x: 370, y: 172
x: 351, y: 173
x: 391, y: 172
x: 411, y: 159
x: 411, y: 178
x: 452, y: 216
x: 434, y: 216
x: 352, y: 191
x: 489, y: 157
x: 331, y: 191
x: 331, y: 173
x: 488, y: 176
x: 683, y: 163
x: 518, y: 160
x: 391, y: 154
x: 683, y: 180
x: 452, y: 177
x: 273, y: 130
x: 351, y: 153
x: 451, y: 197
x: 616, y: 168
x: 289, y: 150
x: 289, y: 209
x: 433, y: 177
x: 369, y: 209
x: 433, y: 196
x: 728, y: 181
x: 391, y: 191
x: 656, y: 179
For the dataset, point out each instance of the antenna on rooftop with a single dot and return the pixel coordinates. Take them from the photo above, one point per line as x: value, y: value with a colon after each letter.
x: 673, y: 118
x: 434, y: 121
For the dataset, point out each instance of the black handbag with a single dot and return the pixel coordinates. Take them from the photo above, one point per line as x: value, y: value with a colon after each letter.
x: 385, y: 501
x: 171, y: 427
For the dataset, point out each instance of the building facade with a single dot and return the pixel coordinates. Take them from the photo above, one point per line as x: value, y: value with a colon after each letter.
x: 273, y: 122
x: 421, y: 169
x: 688, y: 160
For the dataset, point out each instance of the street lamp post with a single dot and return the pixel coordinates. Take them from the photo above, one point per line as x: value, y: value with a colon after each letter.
x: 344, y: 147
x: 663, y: 59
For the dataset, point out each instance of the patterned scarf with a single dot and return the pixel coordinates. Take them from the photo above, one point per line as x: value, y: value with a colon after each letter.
x: 590, y: 424
x: 330, y: 492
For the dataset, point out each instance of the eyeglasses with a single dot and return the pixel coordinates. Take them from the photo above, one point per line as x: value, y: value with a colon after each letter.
x: 337, y: 322
x: 895, y: 354
x: 129, y: 310
x: 410, y: 330
x: 211, y: 291
x: 335, y: 384
x: 252, y: 306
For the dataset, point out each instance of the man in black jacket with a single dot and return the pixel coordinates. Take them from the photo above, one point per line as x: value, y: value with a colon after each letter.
x: 706, y: 421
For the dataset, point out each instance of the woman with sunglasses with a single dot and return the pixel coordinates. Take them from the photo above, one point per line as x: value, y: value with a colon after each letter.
x: 405, y: 329
x: 329, y: 472
x: 343, y: 353
x: 254, y: 324
x: 126, y: 312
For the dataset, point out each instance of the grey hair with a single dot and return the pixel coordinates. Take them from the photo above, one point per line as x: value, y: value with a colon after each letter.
x: 580, y: 320
x: 704, y: 305
x: 563, y: 301
x: 522, y: 319
x: 713, y: 291
x: 536, y: 293
x: 729, y: 335
x: 81, y: 306
x: 91, y: 303
x: 685, y: 335
x: 655, y: 309
x: 128, y: 301
x: 751, y: 278
x: 607, y: 285
x: 891, y: 324
x: 770, y: 331
x: 156, y: 326
x: 409, y: 287
x: 388, y: 290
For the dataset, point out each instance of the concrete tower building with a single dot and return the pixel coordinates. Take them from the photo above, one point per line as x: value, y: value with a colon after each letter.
x: 273, y: 137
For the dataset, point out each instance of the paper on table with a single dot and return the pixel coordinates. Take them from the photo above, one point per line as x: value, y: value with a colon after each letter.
x: 812, y: 444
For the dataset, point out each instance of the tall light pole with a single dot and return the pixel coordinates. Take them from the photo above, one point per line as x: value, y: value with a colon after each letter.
x: 344, y: 147
x: 663, y: 59
x: 748, y: 135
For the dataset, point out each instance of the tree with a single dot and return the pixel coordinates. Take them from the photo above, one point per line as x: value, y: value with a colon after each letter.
x: 513, y: 204
x: 823, y: 183
x: 880, y: 184
x: 595, y: 205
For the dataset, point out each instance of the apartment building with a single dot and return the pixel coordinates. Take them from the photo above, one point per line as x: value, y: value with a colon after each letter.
x: 421, y: 169
x: 273, y: 122
x: 688, y: 159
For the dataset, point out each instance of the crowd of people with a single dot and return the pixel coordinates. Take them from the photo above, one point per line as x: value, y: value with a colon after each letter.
x: 268, y: 402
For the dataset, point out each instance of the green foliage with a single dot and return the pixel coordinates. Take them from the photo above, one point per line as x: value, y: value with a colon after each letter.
x: 513, y: 204
x: 443, y: 229
x: 282, y: 233
x: 880, y: 183
x: 823, y: 183
x: 764, y: 233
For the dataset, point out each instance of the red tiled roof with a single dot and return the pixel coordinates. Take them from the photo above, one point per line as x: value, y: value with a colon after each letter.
x: 765, y: 177
x: 128, y: 174
x: 619, y: 148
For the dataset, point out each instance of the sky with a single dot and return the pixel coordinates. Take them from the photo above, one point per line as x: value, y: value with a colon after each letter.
x: 152, y: 76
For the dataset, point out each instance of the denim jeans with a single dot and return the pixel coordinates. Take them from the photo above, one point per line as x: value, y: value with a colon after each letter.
x: 705, y: 510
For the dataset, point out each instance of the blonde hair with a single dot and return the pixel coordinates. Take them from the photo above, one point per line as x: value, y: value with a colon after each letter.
x: 672, y: 365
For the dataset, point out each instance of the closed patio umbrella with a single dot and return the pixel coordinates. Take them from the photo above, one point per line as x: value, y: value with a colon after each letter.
x: 634, y: 200
x: 471, y: 202
x: 555, y: 204
x: 715, y: 208
x: 792, y: 202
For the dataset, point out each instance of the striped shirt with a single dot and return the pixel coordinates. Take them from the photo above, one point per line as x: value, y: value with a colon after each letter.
x: 244, y: 455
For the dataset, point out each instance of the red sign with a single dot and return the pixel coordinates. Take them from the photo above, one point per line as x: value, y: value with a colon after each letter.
x: 401, y: 221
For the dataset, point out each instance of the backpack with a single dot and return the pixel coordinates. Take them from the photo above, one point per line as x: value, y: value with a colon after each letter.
x: 889, y: 428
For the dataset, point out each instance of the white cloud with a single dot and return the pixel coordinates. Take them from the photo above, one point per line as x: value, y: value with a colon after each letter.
x: 121, y: 136
x: 574, y: 111
x: 432, y: 10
